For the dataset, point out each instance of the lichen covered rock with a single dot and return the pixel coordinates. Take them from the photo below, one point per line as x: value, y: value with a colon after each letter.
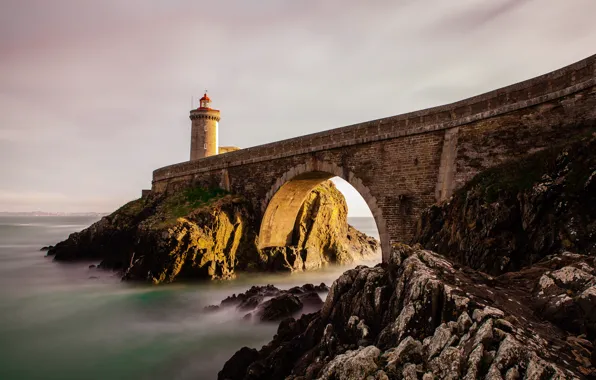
x: 420, y: 316
x: 515, y: 214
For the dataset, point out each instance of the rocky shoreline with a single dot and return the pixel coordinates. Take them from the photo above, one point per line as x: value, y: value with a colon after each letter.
x: 505, y: 297
x: 499, y: 282
x: 421, y: 316
x: 196, y: 234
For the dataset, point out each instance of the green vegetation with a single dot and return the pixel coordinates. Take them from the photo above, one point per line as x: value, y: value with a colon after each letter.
x: 512, y: 177
x: 522, y: 174
x: 184, y: 202
x: 132, y: 208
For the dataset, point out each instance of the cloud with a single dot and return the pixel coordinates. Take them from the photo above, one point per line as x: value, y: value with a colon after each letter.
x: 95, y: 95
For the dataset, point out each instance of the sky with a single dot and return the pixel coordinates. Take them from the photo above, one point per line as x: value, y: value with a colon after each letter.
x: 95, y: 95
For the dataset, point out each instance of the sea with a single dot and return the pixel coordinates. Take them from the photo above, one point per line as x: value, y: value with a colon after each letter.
x: 69, y: 321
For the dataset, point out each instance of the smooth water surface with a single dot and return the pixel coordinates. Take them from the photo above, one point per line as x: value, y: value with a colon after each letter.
x: 69, y: 321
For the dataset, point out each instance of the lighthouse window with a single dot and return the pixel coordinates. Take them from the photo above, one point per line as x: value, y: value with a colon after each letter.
x: 205, y: 146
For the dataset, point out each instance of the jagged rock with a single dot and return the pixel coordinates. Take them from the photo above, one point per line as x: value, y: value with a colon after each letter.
x: 566, y: 294
x: 279, y: 307
x: 207, y: 234
x: 242, y: 359
x: 358, y: 364
x: 280, y: 304
x: 311, y: 299
x: 434, y: 321
x: 409, y: 350
x: 513, y: 215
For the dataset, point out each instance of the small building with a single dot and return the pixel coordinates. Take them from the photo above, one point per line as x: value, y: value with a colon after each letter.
x: 226, y: 149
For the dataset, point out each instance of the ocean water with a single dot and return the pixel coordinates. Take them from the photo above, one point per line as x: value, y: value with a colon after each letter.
x: 69, y: 321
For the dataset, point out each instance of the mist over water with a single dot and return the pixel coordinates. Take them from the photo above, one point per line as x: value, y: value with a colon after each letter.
x: 69, y: 321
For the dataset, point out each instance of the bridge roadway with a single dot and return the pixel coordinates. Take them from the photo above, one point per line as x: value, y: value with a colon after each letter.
x: 400, y: 164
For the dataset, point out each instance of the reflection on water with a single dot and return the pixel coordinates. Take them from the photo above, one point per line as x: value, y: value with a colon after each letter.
x: 68, y: 321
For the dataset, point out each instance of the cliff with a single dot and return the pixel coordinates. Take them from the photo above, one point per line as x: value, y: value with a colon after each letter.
x: 209, y: 234
x: 518, y: 213
x: 420, y: 316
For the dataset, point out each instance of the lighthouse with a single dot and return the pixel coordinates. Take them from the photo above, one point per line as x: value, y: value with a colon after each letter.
x: 203, y: 139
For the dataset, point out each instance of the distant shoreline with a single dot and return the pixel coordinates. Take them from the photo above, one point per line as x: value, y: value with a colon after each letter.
x: 44, y: 213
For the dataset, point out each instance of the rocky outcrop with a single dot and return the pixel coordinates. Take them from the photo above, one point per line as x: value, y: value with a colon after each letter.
x: 209, y: 234
x: 514, y: 215
x: 421, y: 317
x: 268, y: 303
x: 322, y: 235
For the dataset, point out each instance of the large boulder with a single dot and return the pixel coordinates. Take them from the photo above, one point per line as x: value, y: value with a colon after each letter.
x: 515, y: 214
x: 420, y: 316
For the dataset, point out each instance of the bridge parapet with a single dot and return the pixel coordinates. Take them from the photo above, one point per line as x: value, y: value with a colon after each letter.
x: 559, y: 83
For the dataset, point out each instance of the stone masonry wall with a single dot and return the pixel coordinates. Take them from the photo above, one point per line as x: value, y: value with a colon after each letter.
x: 404, y: 163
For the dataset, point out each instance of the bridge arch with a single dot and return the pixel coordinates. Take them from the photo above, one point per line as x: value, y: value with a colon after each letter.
x: 283, y: 201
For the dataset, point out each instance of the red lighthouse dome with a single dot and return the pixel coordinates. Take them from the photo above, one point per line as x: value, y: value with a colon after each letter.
x: 205, y: 102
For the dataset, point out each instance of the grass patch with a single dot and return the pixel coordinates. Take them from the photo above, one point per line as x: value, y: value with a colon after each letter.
x: 131, y: 208
x: 514, y: 176
x: 523, y: 173
x: 184, y: 202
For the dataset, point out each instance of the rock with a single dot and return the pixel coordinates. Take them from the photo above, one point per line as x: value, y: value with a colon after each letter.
x: 322, y: 235
x: 279, y: 308
x: 211, y: 308
x: 409, y: 372
x: 566, y: 294
x: 198, y: 233
x: 431, y: 320
x: 311, y: 300
x: 235, y: 368
x: 513, y: 215
x: 448, y: 364
x: 356, y: 364
x: 408, y: 350
x: 92, y: 266
x: 46, y: 248
x: 280, y: 304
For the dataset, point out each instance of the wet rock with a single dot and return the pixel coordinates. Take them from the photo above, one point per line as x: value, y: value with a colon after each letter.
x: 268, y: 303
x: 46, y: 248
x: 235, y: 368
x: 311, y: 300
x: 279, y: 308
x: 211, y: 308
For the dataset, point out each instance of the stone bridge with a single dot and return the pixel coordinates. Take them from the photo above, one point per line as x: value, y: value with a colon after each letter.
x: 400, y: 164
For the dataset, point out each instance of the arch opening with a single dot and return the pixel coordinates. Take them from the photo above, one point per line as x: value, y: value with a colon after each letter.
x: 285, y: 199
x: 277, y: 226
